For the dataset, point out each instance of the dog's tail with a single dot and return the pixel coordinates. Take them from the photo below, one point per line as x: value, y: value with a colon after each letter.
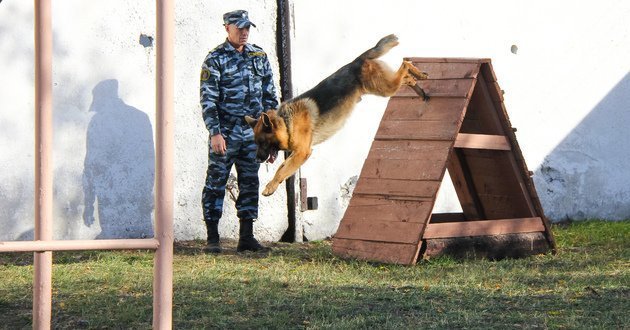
x: 382, y: 47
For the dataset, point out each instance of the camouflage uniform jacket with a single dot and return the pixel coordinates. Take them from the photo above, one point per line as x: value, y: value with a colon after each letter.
x: 235, y: 84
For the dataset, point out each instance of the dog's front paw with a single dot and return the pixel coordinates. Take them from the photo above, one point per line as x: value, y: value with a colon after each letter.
x: 269, y: 189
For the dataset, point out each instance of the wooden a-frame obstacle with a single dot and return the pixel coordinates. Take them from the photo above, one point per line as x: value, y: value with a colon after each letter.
x: 463, y: 128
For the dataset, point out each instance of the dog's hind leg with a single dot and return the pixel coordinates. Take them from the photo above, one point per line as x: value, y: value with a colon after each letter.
x: 379, y: 80
x: 413, y: 71
x: 411, y: 75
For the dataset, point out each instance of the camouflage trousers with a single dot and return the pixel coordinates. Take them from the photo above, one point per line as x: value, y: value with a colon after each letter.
x: 241, y: 152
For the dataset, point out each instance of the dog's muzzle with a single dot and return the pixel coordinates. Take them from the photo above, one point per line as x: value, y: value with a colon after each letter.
x: 270, y: 158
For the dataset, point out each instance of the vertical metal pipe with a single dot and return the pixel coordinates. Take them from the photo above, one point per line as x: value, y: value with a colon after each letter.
x: 42, y: 277
x: 163, y: 264
x: 283, y: 46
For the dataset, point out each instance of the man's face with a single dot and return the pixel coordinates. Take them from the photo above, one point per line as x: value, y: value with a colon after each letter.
x: 237, y: 37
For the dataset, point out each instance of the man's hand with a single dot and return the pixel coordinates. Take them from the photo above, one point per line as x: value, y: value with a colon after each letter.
x: 217, y: 142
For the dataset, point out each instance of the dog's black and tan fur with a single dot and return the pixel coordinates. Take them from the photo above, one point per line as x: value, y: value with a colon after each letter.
x: 316, y: 115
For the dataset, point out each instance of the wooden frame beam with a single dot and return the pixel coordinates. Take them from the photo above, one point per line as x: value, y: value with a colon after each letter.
x: 483, y: 228
x: 482, y: 141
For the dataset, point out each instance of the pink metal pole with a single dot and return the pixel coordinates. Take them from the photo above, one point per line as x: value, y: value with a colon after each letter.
x: 42, y: 279
x: 163, y: 264
x: 80, y: 245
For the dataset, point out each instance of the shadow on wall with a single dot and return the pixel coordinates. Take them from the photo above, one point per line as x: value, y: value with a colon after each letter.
x: 16, y: 148
x: 119, y: 167
x: 586, y: 176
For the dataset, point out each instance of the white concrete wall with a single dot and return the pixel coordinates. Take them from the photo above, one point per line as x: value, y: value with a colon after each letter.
x: 567, y: 91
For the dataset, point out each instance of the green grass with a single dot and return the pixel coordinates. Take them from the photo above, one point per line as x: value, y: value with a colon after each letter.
x: 586, y: 285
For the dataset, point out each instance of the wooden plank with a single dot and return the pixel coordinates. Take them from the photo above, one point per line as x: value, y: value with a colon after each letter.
x: 363, y: 208
x: 498, y: 96
x: 409, y: 149
x: 417, y: 130
x: 492, y: 172
x: 410, y: 108
x: 487, y: 102
x: 381, y: 231
x: 485, y: 227
x: 440, y: 88
x: 402, y: 188
x: 488, y: 72
x: 498, y: 206
x: 447, y: 217
x: 464, y: 187
x: 480, y: 117
x: 396, y: 253
x: 449, y: 70
x: 482, y: 141
x: 447, y: 60
x: 419, y: 169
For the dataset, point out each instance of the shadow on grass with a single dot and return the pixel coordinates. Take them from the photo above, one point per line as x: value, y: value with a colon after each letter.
x: 262, y: 303
x: 306, y: 286
x: 181, y: 248
x: 67, y: 257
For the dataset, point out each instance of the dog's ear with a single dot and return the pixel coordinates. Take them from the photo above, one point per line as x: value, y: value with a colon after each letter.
x: 267, y: 123
x: 251, y: 121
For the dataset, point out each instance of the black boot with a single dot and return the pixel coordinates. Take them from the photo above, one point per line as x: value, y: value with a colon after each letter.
x: 246, y: 240
x: 213, y: 246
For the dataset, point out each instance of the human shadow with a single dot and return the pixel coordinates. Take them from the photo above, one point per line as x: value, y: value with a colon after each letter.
x: 119, y: 167
x: 585, y: 176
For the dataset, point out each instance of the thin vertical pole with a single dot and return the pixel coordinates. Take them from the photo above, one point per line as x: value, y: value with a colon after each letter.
x: 283, y: 47
x: 42, y: 277
x: 163, y: 265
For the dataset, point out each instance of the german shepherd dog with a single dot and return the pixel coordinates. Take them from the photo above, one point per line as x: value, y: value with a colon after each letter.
x: 316, y: 115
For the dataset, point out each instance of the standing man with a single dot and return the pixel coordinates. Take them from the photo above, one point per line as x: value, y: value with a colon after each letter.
x: 236, y: 80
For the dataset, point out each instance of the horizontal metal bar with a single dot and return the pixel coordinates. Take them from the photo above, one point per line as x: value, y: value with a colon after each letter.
x: 78, y: 245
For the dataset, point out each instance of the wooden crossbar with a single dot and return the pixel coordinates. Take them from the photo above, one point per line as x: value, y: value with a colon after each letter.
x: 483, y: 228
x: 482, y: 141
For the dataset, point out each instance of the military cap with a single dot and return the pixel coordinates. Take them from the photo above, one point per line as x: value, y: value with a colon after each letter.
x: 238, y: 18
